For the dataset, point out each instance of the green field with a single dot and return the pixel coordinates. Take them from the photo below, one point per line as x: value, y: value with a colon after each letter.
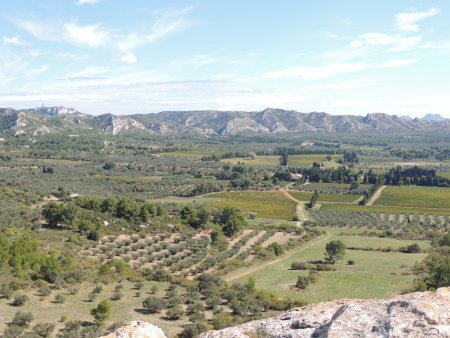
x: 258, y: 162
x: 308, y: 160
x: 266, y: 204
x: 375, y: 274
x: 324, y: 197
x: 413, y: 196
x: 386, y: 209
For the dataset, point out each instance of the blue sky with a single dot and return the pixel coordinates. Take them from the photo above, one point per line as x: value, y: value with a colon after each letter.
x: 136, y: 56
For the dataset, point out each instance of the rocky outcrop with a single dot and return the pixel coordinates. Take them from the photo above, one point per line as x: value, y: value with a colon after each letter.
x: 225, y: 123
x: 137, y: 329
x: 416, y: 315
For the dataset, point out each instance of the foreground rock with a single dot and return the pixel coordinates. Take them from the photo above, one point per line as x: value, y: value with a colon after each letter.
x: 137, y: 329
x: 420, y: 314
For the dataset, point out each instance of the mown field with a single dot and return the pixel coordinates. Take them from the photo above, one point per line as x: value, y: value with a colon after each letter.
x: 413, y: 196
x: 375, y: 274
x: 266, y: 204
x: 324, y: 197
x: 257, y: 162
x: 307, y: 160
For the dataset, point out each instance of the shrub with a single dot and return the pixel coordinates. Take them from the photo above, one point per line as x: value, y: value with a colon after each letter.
x: 154, y: 289
x: 412, y: 248
x: 175, y: 312
x: 13, y: 331
x: 98, y: 289
x: 20, y: 300
x: 44, y: 329
x: 102, y: 312
x: 302, y: 266
x: 117, y: 296
x: 351, y: 262
x: 302, y: 282
x: 153, y: 304
x: 60, y: 299
x: 73, y: 291
x: 22, y: 319
x: 92, y: 296
x: 6, y: 292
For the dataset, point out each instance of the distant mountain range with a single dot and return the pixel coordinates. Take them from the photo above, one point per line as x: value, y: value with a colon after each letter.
x: 45, y: 120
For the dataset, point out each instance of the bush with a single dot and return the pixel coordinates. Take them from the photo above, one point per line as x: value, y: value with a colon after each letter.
x: 351, y: 262
x: 6, y: 292
x: 302, y: 266
x: 412, y: 248
x: 60, y: 299
x: 102, y: 312
x: 13, y: 331
x: 117, y: 296
x: 98, y: 289
x: 20, y: 300
x: 44, y: 329
x: 22, y: 319
x: 302, y: 282
x: 92, y: 297
x: 175, y: 312
x: 153, y: 304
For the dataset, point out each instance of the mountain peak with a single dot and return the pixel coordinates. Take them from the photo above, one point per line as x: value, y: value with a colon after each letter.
x: 433, y: 117
x: 54, y: 111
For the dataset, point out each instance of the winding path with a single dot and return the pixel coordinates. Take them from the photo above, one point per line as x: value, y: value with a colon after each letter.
x: 239, y: 274
x: 376, y: 195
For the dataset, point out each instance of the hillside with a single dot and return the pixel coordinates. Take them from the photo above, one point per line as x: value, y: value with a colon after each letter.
x: 44, y: 120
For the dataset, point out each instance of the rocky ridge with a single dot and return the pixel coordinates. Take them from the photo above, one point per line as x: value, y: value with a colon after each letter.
x: 420, y: 314
x: 44, y: 120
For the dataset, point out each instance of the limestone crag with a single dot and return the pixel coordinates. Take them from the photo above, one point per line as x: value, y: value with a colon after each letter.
x: 137, y: 329
x: 416, y: 315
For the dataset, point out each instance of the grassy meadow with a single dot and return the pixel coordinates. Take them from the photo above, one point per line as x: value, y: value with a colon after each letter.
x: 266, y: 204
x: 414, y: 196
x: 375, y: 274
x: 325, y: 197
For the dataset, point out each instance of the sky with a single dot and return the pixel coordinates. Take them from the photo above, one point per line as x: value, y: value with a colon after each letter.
x: 146, y: 56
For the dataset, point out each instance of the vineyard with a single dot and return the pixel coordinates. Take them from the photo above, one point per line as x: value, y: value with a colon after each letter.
x: 382, y: 221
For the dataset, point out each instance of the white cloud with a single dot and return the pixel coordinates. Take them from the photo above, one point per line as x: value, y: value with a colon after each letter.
x: 87, y: 73
x: 87, y: 2
x: 397, y: 63
x: 129, y: 57
x: 397, y: 43
x: 408, y: 21
x: 13, y: 40
x: 195, y: 61
x: 168, y: 24
x: 91, y: 35
x: 315, y: 73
